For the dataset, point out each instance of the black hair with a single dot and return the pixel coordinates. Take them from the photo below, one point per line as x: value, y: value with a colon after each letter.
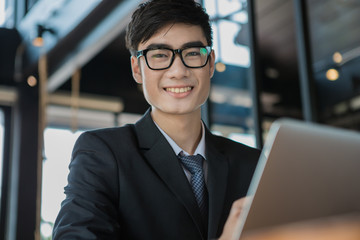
x: 152, y: 15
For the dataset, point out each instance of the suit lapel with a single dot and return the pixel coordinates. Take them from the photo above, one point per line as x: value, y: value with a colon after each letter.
x: 161, y: 157
x: 217, y: 182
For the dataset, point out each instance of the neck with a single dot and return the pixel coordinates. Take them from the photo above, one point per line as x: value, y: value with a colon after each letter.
x: 184, y: 129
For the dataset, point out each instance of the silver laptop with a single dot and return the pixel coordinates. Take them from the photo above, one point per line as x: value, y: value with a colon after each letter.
x: 306, y: 171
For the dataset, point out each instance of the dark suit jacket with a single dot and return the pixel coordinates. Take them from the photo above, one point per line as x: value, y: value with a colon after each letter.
x: 127, y: 183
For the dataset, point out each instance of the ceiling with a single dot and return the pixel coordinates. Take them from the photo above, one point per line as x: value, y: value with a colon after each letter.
x: 333, y: 25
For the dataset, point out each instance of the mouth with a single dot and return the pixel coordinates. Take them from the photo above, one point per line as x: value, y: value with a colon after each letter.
x: 178, y: 89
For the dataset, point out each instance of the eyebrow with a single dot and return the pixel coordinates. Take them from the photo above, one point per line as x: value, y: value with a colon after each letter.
x: 189, y: 44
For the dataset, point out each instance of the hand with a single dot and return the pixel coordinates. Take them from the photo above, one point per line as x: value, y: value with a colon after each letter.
x: 232, y: 225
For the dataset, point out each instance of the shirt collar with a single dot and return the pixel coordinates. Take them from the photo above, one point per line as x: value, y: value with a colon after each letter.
x: 200, y: 149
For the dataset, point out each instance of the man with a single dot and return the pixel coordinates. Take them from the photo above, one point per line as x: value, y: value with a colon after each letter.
x: 134, y: 182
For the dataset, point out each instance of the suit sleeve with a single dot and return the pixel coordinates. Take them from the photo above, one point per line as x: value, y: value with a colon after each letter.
x: 90, y: 209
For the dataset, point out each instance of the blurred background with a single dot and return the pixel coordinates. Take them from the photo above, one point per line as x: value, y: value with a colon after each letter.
x: 64, y: 69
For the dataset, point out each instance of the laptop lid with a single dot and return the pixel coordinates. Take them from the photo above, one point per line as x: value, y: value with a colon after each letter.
x: 306, y: 171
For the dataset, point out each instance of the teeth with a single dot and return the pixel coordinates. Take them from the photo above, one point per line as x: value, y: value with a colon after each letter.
x: 178, y: 90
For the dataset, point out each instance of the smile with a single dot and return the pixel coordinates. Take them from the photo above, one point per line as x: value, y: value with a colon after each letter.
x: 178, y: 90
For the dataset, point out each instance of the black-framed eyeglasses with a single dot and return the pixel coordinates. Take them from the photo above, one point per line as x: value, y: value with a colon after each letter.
x: 163, y: 58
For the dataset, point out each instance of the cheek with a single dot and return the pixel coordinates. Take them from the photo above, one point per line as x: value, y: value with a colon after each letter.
x: 207, y: 79
x: 205, y: 87
x: 151, y: 80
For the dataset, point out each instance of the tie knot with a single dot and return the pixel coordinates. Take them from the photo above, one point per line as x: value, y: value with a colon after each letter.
x: 192, y: 163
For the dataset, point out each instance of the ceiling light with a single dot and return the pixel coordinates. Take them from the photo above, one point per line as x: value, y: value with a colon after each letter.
x: 38, y: 41
x: 332, y: 74
x: 31, y: 81
x: 337, y: 57
x: 220, y: 67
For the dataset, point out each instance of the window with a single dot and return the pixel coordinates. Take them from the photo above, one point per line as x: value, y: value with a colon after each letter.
x: 58, y: 147
x: 230, y: 98
x: 2, y: 12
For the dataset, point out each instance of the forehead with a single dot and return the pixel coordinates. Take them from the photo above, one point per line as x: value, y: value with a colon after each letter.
x: 176, y: 35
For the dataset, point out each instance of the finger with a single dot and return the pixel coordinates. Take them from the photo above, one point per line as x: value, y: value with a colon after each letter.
x: 239, y: 205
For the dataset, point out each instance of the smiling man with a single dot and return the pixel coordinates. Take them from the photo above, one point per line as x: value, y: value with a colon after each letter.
x: 174, y: 67
x: 167, y: 176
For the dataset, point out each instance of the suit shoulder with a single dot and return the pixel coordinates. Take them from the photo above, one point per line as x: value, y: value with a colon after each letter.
x: 124, y: 133
x: 128, y: 128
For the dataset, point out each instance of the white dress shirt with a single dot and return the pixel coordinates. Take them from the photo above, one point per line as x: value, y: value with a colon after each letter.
x: 200, y: 149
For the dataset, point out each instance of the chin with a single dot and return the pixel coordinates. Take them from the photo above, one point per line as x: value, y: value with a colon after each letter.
x: 184, y: 110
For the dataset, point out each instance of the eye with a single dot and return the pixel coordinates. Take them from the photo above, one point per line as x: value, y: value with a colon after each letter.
x: 159, y: 54
x: 193, y: 54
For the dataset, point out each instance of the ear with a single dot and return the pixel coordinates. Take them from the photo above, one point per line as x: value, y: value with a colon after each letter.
x: 212, y: 63
x: 136, y: 70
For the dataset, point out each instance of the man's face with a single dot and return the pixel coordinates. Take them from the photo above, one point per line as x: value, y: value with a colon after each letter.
x: 178, y: 89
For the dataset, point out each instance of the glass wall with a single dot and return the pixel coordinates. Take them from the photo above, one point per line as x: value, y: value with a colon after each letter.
x: 335, y: 46
x: 230, y: 98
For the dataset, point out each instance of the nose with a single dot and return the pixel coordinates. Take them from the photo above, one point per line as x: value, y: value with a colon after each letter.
x: 177, y: 69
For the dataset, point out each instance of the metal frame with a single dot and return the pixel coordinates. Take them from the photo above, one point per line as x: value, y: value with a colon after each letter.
x: 307, y: 82
x: 22, y: 208
x: 255, y: 79
x: 5, y: 169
